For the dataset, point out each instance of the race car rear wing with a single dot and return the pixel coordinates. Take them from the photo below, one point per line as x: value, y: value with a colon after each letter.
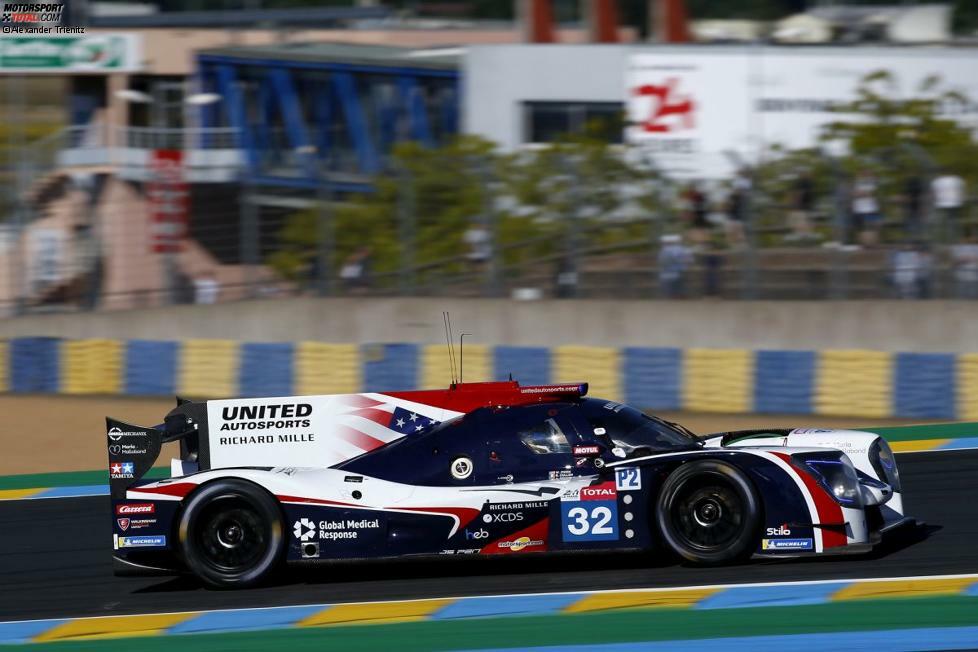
x: 133, y: 450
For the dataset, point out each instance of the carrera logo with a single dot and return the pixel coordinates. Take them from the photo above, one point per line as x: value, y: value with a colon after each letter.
x: 135, y: 508
x: 603, y: 491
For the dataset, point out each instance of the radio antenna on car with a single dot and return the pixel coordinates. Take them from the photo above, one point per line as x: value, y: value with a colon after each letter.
x: 447, y: 319
x: 461, y: 355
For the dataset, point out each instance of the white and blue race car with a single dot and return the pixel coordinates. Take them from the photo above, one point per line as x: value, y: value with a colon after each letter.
x: 480, y: 468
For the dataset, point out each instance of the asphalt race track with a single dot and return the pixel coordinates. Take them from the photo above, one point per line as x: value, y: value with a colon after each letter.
x: 55, y: 560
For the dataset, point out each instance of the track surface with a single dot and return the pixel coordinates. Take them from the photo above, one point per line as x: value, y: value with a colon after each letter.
x: 55, y: 560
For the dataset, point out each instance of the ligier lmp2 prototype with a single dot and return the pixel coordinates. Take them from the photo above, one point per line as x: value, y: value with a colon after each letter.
x: 480, y: 468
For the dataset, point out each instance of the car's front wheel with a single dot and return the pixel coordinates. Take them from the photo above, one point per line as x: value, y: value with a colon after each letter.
x: 708, y: 513
x: 230, y: 534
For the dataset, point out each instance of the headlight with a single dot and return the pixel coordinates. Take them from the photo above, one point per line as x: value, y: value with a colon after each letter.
x: 834, y: 473
x: 881, y: 457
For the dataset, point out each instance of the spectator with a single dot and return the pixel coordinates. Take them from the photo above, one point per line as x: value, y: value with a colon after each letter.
x: 566, y: 278
x: 737, y: 206
x: 964, y: 259
x: 355, y: 272
x: 911, y: 268
x: 674, y: 261
x: 479, y: 240
x: 712, y: 261
x: 866, y: 209
x: 206, y: 288
x: 948, y: 192
x: 802, y: 207
x: 696, y: 202
x: 913, y: 195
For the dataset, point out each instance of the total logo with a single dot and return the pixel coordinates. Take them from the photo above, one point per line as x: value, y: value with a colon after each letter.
x: 520, y: 544
x: 478, y: 534
x: 781, y: 531
x: 504, y: 517
x: 304, y: 529
x: 603, y: 491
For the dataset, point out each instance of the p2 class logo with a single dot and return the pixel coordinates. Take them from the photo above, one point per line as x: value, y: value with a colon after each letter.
x: 628, y: 479
x: 304, y: 529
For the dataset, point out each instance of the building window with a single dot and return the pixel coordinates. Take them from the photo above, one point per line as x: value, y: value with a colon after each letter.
x: 545, y: 122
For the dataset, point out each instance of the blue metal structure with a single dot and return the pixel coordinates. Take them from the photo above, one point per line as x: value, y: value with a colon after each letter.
x: 315, y: 114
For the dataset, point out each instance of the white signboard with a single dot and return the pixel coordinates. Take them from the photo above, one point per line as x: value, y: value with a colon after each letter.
x: 83, y: 53
x: 311, y: 431
x: 697, y: 113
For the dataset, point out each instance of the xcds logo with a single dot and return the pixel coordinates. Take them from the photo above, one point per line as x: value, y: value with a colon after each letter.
x: 504, y: 517
x: 478, y: 534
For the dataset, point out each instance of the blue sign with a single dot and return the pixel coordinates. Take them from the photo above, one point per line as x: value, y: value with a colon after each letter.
x: 589, y: 520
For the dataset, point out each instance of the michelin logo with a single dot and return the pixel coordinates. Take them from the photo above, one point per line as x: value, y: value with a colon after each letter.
x: 786, y: 544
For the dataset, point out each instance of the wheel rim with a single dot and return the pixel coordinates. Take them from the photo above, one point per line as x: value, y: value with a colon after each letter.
x: 707, y: 513
x: 231, y: 535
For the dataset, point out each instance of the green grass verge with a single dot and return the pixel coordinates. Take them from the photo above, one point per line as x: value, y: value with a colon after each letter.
x: 68, y: 478
x: 936, y: 431
x: 567, y: 629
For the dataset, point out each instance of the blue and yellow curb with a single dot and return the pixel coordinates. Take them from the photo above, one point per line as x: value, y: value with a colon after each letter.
x: 445, y: 609
x: 843, y: 382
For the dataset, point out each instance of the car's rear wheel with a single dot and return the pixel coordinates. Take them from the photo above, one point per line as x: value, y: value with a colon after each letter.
x: 230, y: 534
x: 708, y: 513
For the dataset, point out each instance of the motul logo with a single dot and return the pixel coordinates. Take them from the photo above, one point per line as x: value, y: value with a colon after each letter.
x: 136, y: 508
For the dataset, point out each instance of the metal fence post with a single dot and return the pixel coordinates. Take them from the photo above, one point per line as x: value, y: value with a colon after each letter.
x: 749, y: 275
x: 407, y: 230
x: 491, y: 225
x: 249, y: 236
x: 324, y: 239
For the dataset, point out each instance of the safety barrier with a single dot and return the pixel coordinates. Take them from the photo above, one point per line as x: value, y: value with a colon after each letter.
x: 856, y: 383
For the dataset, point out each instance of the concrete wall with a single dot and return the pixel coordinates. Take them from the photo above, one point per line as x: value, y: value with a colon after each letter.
x: 927, y: 326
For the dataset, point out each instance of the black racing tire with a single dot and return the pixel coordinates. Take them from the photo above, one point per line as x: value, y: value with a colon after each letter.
x: 231, y: 534
x: 708, y: 513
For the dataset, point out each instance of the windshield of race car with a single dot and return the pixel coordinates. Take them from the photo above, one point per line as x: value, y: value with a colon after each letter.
x: 633, y: 431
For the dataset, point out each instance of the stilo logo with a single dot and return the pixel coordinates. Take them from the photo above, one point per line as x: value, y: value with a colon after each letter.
x: 782, y: 531
x: 123, y: 523
x: 304, y: 529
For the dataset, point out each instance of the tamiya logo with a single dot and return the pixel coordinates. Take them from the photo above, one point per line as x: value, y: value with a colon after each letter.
x: 782, y: 531
x: 478, y: 534
x: 32, y: 12
x: 135, y: 508
x: 123, y: 523
x: 304, y: 529
x: 121, y: 470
